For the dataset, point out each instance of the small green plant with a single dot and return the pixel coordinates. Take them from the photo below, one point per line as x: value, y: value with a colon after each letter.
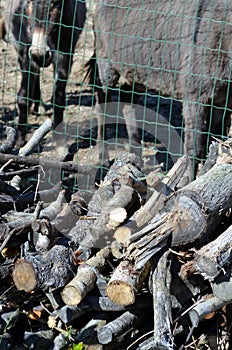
x: 79, y: 346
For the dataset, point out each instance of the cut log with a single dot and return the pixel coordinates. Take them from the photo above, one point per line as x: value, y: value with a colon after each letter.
x: 207, y: 305
x: 119, y: 326
x: 212, y: 258
x: 126, y: 282
x: 188, y: 216
x: 24, y: 276
x: 163, y: 189
x: 10, y: 140
x: 115, y: 191
x: 161, y: 279
x: 117, y: 250
x: 85, y: 278
x: 123, y: 233
x: 36, y: 138
x: 34, y: 141
x: 88, y: 334
x: 94, y: 303
x: 51, y: 270
x: 101, y: 231
x: 117, y: 216
x: 64, y: 220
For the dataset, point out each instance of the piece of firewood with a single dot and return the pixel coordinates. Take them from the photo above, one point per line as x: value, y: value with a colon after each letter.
x: 85, y: 278
x: 219, y: 152
x: 26, y: 219
x: 54, y: 208
x: 36, y: 138
x: 88, y: 334
x: 24, y: 276
x: 212, y: 258
x: 6, y: 176
x: 118, y: 250
x: 222, y: 285
x: 10, y: 142
x: 102, y: 230
x: 161, y: 280
x: 47, y: 271
x: 163, y: 189
x: 94, y: 303
x: 119, y: 326
x: 123, y: 233
x: 117, y: 216
x: 208, y: 304
x: 123, y: 173
x: 43, y: 240
x: 190, y: 215
x: 31, y: 161
x: 125, y: 283
x: 34, y: 141
x: 15, y: 233
x: 64, y: 220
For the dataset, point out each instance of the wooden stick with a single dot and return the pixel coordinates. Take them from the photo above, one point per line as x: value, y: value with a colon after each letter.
x: 28, y: 148
x: 36, y: 138
x: 10, y: 140
x: 31, y: 161
x: 125, y: 198
x: 95, y: 303
x: 189, y: 215
x: 117, y: 327
x: 44, y: 271
x: 208, y: 304
x: 85, y: 278
x: 161, y: 279
x: 126, y: 282
x: 163, y: 189
x: 213, y: 257
x: 22, y: 173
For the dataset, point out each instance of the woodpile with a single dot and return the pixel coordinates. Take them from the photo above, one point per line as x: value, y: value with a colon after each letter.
x: 145, y: 264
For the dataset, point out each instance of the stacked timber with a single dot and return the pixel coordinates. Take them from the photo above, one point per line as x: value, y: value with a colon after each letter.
x: 145, y: 263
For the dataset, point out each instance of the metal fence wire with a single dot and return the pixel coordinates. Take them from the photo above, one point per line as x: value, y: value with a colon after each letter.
x: 148, y: 76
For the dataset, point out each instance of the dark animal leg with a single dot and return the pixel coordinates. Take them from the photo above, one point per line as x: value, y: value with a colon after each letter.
x: 130, y: 102
x: 61, y: 74
x: 102, y: 108
x: 37, y: 98
x: 26, y: 94
x: 195, y: 136
x: 61, y: 66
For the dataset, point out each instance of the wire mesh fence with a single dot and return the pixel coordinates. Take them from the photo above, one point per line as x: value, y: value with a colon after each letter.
x: 160, y: 78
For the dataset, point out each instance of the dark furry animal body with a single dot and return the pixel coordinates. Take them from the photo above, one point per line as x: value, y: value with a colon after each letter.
x: 180, y: 48
x: 43, y: 32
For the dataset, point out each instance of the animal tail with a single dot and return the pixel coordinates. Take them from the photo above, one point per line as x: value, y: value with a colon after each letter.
x: 92, y: 74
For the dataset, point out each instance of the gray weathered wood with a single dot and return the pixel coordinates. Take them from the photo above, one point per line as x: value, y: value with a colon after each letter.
x: 213, y: 257
x: 163, y: 335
